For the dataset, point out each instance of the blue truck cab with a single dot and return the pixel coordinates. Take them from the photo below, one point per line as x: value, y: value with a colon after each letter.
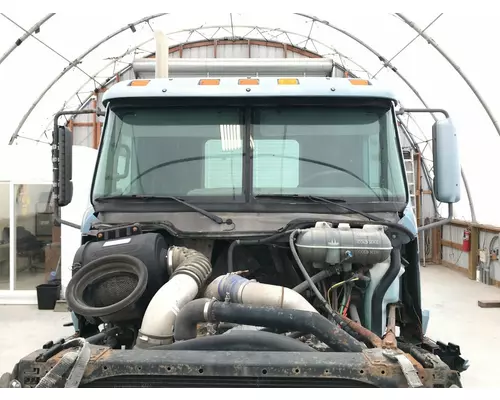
x: 252, y: 229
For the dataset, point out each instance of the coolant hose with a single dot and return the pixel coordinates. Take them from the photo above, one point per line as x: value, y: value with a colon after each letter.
x: 323, y: 274
x: 353, y: 329
x: 189, y: 271
x: 306, y: 274
x: 206, y: 310
x: 240, y: 341
x: 384, y: 284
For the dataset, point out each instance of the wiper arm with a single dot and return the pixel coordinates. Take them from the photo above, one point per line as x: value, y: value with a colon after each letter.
x: 207, y: 214
x: 324, y: 200
x: 299, y: 196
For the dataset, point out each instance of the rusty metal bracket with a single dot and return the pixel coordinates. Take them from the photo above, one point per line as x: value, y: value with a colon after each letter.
x: 389, y: 341
x: 409, y: 371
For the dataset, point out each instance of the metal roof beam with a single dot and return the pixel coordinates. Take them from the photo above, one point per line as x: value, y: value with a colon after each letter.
x: 34, y: 29
x: 433, y: 43
x: 73, y: 64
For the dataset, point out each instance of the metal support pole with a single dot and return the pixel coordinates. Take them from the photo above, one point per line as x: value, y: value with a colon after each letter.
x: 72, y: 65
x: 34, y: 29
x: 433, y: 43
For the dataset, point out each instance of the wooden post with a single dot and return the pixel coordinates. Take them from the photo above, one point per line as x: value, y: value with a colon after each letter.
x: 474, y: 252
x: 436, y: 246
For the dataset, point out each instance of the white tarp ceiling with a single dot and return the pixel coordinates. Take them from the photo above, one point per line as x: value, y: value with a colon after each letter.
x: 33, y: 66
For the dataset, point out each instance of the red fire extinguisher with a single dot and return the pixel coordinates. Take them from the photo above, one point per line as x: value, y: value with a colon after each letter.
x: 466, y: 241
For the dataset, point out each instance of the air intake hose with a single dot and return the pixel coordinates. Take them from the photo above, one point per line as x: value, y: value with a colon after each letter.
x: 189, y: 270
x: 242, y: 290
x: 206, y: 310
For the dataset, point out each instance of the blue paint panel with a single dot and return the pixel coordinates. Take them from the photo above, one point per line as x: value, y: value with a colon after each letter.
x: 409, y: 220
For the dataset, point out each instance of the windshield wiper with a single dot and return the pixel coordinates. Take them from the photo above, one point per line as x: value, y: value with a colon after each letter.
x: 207, y: 214
x: 323, y: 200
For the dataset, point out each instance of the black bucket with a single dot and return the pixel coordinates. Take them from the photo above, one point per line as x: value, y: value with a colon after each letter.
x: 47, y: 295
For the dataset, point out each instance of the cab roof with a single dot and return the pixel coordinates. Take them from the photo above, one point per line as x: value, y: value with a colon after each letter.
x: 247, y: 87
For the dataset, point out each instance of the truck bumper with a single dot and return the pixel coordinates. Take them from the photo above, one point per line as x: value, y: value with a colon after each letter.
x: 164, y: 368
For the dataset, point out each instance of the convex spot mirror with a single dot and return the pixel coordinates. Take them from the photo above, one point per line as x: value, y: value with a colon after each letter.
x: 447, y: 172
x: 63, y: 171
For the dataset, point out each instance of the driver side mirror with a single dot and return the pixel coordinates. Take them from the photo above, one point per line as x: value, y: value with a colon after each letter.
x: 447, y: 170
x: 62, y: 158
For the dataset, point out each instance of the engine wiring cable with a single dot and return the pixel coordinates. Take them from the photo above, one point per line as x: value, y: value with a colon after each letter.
x: 336, y: 285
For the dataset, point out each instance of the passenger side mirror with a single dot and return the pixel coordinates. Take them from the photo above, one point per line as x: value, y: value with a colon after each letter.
x: 62, y: 157
x: 447, y: 170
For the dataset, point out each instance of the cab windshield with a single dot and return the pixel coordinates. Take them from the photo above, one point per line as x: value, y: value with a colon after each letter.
x: 235, y: 153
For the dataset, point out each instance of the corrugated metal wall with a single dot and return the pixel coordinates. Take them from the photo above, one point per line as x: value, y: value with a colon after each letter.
x: 454, y: 256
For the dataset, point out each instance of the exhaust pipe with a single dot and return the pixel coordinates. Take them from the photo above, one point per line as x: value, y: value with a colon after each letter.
x: 161, y: 67
x: 242, y: 290
x: 189, y: 270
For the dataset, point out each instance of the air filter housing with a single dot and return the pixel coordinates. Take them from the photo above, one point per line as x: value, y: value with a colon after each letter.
x: 118, y: 277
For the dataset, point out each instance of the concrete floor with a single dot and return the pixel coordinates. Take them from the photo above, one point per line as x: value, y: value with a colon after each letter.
x: 451, y: 298
x: 455, y: 317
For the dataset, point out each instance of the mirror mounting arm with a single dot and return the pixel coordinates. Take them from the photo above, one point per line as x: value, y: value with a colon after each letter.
x: 59, y: 114
x: 423, y: 110
x: 439, y: 223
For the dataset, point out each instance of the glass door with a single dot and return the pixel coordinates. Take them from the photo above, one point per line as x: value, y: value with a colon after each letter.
x: 4, y: 236
x: 37, y: 241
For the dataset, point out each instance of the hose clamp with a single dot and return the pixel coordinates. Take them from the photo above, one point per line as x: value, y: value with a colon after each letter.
x: 234, y: 285
x: 206, y: 309
x: 170, y: 268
